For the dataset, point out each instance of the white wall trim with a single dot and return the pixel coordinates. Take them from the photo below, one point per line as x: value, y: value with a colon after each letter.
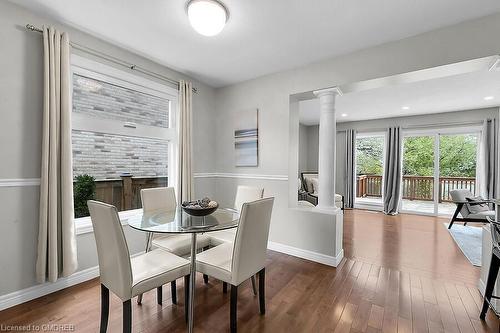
x: 17, y: 182
x: 240, y: 176
x: 39, y: 290
x: 25, y: 295
x: 30, y: 293
x: 306, y: 254
x: 83, y: 225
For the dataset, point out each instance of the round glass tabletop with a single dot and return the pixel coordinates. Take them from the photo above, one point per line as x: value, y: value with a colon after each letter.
x: 178, y: 221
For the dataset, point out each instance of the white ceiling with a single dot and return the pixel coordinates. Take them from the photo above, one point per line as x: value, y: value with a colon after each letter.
x: 451, y: 93
x: 261, y: 36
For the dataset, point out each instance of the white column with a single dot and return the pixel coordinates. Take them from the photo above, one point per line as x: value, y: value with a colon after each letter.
x: 327, y: 147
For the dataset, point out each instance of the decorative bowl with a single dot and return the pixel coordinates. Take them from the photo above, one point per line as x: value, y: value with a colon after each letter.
x: 199, y: 211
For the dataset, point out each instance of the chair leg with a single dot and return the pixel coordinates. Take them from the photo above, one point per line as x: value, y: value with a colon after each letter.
x: 104, y: 309
x: 234, y: 305
x: 173, y: 291
x: 224, y: 287
x: 127, y: 316
x: 186, y: 296
x: 262, y: 290
x: 159, y: 295
x: 459, y: 207
x: 205, y: 278
x: 490, y: 283
x: 254, y: 285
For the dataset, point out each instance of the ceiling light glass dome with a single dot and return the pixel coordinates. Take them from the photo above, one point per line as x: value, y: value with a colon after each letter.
x: 207, y: 17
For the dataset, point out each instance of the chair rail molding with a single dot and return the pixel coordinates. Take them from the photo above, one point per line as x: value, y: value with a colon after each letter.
x: 240, y: 176
x: 18, y: 182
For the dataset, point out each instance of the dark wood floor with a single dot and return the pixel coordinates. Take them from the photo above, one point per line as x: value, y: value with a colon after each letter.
x: 401, y: 274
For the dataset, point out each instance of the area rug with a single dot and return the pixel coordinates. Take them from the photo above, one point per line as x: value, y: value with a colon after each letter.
x: 469, y: 240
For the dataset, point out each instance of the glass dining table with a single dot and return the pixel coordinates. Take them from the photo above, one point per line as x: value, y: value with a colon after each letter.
x: 179, y: 222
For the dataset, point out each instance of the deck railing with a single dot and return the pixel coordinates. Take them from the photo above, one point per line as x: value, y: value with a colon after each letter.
x: 415, y: 187
x: 125, y: 193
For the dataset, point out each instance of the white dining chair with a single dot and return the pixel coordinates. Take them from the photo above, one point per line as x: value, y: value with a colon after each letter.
x: 243, y: 194
x: 164, y: 198
x: 128, y: 277
x: 235, y: 264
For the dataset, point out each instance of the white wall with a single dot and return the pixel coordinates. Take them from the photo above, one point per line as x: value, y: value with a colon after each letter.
x: 20, y: 135
x: 272, y: 95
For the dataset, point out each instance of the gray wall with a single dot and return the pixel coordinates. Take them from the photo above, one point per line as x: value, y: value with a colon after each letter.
x: 272, y: 95
x: 308, y: 147
x: 20, y: 135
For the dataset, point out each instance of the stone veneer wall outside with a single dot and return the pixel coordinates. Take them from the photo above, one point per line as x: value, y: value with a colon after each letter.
x: 107, y: 156
x: 104, y: 100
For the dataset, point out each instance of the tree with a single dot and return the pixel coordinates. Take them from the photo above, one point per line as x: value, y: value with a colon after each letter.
x: 369, y: 155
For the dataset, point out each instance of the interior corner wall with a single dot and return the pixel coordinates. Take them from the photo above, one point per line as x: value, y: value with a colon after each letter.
x: 21, y: 89
x: 271, y: 95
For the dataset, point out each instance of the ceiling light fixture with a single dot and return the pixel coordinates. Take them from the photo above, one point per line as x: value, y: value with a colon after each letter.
x: 489, y: 98
x: 343, y: 115
x: 207, y: 17
x: 405, y: 108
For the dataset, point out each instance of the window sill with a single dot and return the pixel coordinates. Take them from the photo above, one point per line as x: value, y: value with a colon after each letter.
x: 83, y: 225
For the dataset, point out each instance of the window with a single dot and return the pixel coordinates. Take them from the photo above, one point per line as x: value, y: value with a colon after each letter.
x: 124, y: 132
x: 369, y: 168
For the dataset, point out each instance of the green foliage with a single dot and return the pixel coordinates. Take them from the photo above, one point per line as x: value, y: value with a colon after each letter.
x: 83, y: 190
x: 369, y: 155
x: 457, y: 155
x: 418, y: 156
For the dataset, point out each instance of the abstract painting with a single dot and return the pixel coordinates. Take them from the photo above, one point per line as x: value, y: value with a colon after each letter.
x: 246, y: 138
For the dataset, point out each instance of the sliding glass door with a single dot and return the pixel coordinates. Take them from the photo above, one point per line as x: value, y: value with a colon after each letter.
x: 418, y: 174
x: 433, y: 165
x: 457, y: 167
x: 369, y: 168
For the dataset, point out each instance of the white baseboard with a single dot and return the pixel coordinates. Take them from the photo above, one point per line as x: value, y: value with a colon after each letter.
x: 39, y: 290
x: 306, y: 254
x: 28, y: 294
x: 24, y: 295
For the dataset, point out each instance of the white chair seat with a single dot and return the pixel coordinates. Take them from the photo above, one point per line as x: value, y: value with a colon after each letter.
x: 222, y: 236
x: 482, y: 215
x: 180, y: 244
x: 216, y: 262
x: 155, y: 268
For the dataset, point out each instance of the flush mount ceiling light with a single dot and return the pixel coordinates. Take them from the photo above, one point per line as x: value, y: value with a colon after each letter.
x: 488, y: 98
x: 405, y: 108
x: 343, y: 115
x: 207, y: 17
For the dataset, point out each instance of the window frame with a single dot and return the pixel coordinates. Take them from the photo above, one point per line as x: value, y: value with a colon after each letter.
x: 98, y: 71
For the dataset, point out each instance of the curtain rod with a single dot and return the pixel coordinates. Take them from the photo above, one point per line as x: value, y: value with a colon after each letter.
x: 112, y: 59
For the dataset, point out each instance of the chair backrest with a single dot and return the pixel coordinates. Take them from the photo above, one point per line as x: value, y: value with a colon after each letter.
x: 112, y: 250
x: 461, y: 195
x: 250, y: 244
x: 158, y: 198
x: 247, y: 194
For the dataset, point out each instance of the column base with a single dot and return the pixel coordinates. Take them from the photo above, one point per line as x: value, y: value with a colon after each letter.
x: 328, y: 209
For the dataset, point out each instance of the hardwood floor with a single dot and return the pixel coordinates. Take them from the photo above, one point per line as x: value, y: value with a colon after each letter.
x: 401, y: 274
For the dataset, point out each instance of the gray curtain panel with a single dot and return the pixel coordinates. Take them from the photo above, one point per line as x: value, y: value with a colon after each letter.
x: 350, y: 167
x: 57, y: 254
x: 488, y: 166
x: 185, y: 176
x: 392, y: 171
